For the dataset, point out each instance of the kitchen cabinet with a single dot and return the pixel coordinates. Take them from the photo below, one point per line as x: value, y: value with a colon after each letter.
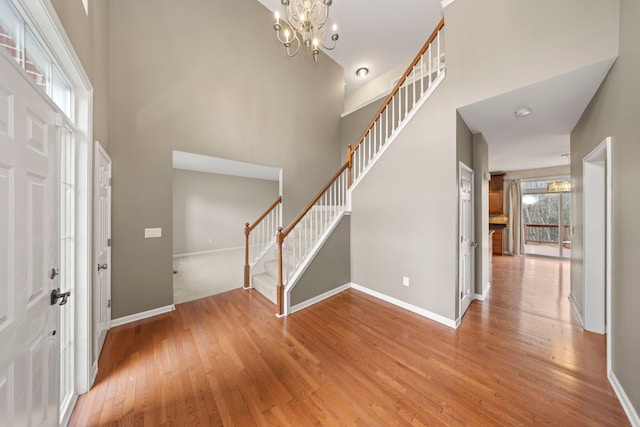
x: 497, y: 239
x: 496, y: 202
x: 496, y: 194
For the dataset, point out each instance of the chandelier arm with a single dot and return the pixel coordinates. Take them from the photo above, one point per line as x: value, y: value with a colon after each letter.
x: 321, y: 14
x: 280, y: 39
x: 298, y: 44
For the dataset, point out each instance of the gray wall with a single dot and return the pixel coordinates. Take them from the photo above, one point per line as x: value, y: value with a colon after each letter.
x: 205, y: 77
x: 614, y: 112
x: 329, y: 269
x: 481, y: 168
x: 404, y: 220
x: 210, y: 210
x: 354, y: 124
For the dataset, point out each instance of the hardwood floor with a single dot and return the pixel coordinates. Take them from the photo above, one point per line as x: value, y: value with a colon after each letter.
x: 518, y: 358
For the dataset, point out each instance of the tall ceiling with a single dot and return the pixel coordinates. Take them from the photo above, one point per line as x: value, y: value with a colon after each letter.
x: 379, y: 35
x: 382, y: 35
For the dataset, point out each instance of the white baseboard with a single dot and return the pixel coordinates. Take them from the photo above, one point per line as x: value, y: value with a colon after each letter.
x: 483, y: 296
x: 631, y: 412
x: 576, y: 310
x: 319, y: 298
x: 144, y: 315
x: 94, y: 374
x: 212, y: 251
x: 421, y: 311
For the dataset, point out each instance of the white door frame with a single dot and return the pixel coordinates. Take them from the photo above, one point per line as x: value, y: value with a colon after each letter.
x: 462, y: 167
x: 43, y: 20
x: 102, y: 297
x: 597, y: 187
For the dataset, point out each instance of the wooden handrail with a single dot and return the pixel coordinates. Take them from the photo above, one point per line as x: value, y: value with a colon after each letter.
x: 247, y: 230
x: 261, y: 217
x: 395, y: 90
x: 307, y: 208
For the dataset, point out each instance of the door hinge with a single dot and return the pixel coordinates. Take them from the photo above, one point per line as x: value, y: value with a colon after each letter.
x: 461, y: 295
x: 109, y: 242
x: 109, y: 303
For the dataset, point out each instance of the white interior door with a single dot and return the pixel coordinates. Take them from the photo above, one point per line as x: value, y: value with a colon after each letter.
x: 29, y: 245
x: 102, y: 242
x: 467, y: 244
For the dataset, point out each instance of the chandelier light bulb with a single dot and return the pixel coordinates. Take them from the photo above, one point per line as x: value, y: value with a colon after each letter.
x: 277, y: 14
x: 335, y: 28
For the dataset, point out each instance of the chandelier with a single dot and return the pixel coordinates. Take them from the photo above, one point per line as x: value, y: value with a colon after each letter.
x: 304, y: 25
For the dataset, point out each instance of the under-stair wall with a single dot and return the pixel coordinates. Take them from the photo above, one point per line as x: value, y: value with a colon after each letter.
x: 329, y: 271
x: 404, y: 213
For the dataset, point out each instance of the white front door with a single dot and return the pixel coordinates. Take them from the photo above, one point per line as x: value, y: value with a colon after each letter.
x: 29, y: 257
x: 102, y: 242
x: 467, y: 244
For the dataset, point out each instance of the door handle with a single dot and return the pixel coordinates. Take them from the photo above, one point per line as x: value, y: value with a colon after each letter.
x: 53, y: 273
x: 102, y: 267
x: 56, y: 295
x: 474, y: 244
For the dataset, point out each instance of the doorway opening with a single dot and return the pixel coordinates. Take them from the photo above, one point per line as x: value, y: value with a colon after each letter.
x: 546, y: 220
x: 213, y: 198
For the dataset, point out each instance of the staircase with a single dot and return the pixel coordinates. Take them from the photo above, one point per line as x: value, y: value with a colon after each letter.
x: 282, y: 261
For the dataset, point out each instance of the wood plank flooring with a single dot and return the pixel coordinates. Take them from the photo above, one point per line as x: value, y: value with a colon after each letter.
x: 518, y: 358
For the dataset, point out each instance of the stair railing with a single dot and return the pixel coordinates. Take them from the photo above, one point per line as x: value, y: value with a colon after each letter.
x: 307, y: 228
x: 419, y: 77
x: 259, y: 242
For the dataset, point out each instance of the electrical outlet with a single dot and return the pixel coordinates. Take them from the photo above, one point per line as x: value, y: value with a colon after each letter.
x: 405, y: 281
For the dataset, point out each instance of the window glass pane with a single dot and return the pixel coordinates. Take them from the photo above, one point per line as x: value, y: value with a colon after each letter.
x: 60, y: 92
x: 37, y: 63
x: 11, y: 31
x: 540, y: 224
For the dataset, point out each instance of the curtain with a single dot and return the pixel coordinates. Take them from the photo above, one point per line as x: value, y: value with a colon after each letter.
x: 515, y: 216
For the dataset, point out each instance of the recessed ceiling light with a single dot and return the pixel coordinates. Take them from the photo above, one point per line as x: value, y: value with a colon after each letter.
x: 521, y: 112
x: 362, y: 71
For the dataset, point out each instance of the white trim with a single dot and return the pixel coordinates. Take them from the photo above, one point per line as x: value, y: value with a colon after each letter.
x: 213, y: 251
x: 609, y: 232
x: 631, y: 412
x: 576, y: 309
x: 143, y: 315
x: 446, y: 3
x: 421, y: 311
x: 321, y: 297
x: 94, y: 371
x: 396, y: 132
x: 482, y: 297
x: 72, y: 404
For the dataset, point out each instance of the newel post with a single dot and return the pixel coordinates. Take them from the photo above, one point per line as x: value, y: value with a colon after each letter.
x: 280, y: 288
x: 247, y: 268
x: 350, y: 165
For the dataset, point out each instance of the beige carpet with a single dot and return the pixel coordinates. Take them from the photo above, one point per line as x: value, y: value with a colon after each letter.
x: 199, y: 276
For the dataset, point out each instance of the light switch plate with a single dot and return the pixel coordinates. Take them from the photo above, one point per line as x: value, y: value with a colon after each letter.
x: 151, y: 233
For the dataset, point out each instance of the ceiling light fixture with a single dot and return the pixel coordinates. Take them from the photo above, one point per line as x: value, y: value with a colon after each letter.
x: 559, y: 186
x: 304, y: 25
x: 362, y: 71
x: 521, y: 112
